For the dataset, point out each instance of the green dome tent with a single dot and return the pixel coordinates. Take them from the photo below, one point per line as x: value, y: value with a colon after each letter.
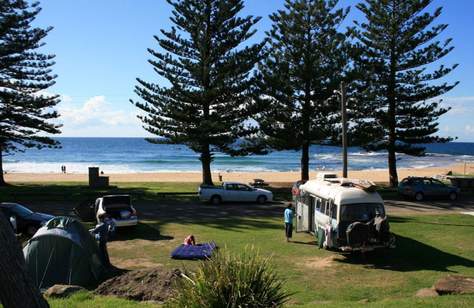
x: 63, y: 252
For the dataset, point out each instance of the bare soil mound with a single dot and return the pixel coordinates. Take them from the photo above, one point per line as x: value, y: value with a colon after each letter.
x: 455, y: 284
x: 141, y: 285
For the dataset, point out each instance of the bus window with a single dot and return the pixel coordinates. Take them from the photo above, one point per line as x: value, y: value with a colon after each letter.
x: 318, y: 204
x: 361, y: 211
x: 323, y: 206
x: 333, y: 211
x: 328, y: 208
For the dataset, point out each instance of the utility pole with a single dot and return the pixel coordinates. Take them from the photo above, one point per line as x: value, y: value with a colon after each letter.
x: 344, y: 129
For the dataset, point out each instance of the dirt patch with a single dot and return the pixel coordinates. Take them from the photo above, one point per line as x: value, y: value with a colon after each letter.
x: 141, y: 285
x: 134, y: 244
x: 455, y: 284
x: 137, y: 263
x: 427, y: 292
x: 317, y: 263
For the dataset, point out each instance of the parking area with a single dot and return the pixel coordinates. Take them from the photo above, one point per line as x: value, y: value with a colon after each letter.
x: 164, y: 208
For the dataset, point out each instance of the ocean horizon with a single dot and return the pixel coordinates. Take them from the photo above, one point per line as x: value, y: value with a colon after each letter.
x: 136, y: 155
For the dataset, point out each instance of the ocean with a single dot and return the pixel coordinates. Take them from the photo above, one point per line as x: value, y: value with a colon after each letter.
x: 131, y: 155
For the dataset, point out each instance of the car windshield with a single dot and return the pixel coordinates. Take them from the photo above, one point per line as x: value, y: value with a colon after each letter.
x: 361, y: 211
x: 21, y: 211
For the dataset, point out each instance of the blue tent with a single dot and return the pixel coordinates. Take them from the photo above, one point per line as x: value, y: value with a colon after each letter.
x: 63, y: 252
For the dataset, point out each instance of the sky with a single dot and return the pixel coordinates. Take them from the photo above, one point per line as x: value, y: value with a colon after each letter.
x: 101, y: 48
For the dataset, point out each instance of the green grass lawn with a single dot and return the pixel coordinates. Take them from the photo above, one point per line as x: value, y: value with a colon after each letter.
x: 429, y: 247
x: 76, y: 191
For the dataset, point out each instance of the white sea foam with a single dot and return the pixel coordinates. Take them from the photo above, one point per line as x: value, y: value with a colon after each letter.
x: 423, y: 166
x: 71, y: 167
x: 82, y: 168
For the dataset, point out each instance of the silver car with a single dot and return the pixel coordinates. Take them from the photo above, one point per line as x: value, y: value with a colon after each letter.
x: 119, y: 208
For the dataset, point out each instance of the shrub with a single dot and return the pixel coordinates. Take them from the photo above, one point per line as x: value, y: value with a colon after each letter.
x: 245, y: 280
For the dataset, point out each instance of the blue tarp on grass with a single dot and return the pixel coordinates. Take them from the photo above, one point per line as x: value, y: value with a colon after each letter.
x: 194, y: 252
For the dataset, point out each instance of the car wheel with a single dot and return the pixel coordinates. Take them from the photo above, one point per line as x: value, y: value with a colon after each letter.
x: 261, y: 199
x: 453, y: 196
x: 31, y: 230
x: 216, y: 200
x: 419, y: 196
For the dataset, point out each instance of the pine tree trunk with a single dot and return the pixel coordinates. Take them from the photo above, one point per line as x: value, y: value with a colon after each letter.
x: 2, y: 179
x: 392, y: 120
x: 16, y: 287
x: 305, y: 162
x: 392, y: 157
x: 392, y: 167
x: 206, y: 166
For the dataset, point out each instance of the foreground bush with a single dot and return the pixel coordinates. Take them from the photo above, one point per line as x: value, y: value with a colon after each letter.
x: 245, y: 280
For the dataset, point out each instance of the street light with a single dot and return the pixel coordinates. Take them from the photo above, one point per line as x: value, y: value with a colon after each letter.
x: 342, y: 95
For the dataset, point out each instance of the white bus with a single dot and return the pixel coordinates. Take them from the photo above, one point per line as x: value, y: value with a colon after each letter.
x: 343, y: 214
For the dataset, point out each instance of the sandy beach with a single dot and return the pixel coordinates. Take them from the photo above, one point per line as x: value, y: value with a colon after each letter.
x: 272, y: 177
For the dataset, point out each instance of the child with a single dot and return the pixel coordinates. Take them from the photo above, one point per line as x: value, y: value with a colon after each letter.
x: 189, y: 240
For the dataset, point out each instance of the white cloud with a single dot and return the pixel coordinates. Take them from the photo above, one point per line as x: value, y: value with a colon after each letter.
x: 97, y: 117
x: 446, y: 129
x: 96, y: 110
x: 469, y: 129
x: 66, y: 99
x: 459, y: 121
x: 459, y: 105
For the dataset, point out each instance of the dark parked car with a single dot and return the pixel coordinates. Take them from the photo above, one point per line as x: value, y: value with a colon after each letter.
x: 27, y: 221
x: 423, y: 187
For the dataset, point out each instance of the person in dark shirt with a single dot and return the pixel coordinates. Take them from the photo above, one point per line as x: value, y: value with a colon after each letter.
x: 101, y: 232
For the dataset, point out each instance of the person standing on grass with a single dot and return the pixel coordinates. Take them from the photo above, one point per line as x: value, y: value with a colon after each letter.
x: 101, y: 232
x: 288, y: 215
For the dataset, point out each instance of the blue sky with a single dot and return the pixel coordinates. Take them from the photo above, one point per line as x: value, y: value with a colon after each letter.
x: 100, y: 48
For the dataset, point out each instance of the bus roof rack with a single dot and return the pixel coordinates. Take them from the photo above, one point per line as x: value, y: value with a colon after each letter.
x: 361, y: 184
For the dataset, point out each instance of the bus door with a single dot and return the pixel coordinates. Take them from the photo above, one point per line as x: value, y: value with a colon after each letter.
x: 302, y: 214
x: 319, y: 213
x: 332, y: 214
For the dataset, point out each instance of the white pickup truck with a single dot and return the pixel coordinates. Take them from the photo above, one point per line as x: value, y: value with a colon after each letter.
x: 234, y: 192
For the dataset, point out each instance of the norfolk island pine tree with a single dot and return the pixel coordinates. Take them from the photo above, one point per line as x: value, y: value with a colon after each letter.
x: 307, y: 59
x: 394, y: 50
x: 24, y: 73
x: 209, y: 98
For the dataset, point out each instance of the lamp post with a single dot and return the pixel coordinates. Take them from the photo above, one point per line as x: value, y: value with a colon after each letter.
x: 342, y: 95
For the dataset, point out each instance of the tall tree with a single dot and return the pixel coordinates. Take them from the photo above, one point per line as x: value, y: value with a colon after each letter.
x: 396, y: 48
x: 208, y: 101
x: 24, y: 74
x: 17, y: 289
x: 305, y: 64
